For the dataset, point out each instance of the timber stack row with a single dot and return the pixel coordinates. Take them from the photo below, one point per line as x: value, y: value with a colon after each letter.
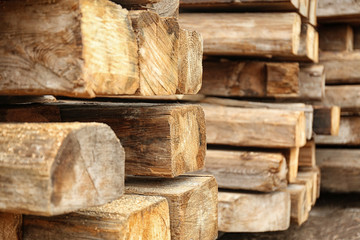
x: 262, y: 96
x: 105, y: 169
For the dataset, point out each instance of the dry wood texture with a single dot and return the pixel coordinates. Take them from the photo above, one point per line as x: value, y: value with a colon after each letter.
x: 309, y: 45
x: 307, y: 155
x: 344, y: 96
x: 299, y: 207
x: 258, y: 171
x: 312, y: 82
x: 269, y: 128
x: 326, y: 120
x: 340, y: 169
x: 356, y: 30
x: 130, y: 217
x: 192, y: 202
x: 277, y: 34
x: 165, y: 8
x: 341, y: 67
x: 159, y: 139
x: 158, y: 60
x: 310, y: 178
x: 254, y: 212
x: 338, y: 11
x: 292, y: 161
x: 10, y: 226
x: 77, y: 48
x: 190, y: 62
x: 312, y: 12
x: 307, y: 109
x: 54, y: 168
x: 336, y: 37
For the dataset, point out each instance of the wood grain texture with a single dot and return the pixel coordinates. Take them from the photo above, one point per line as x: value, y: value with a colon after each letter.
x: 190, y: 62
x: 282, y: 79
x: 340, y: 169
x: 192, y: 202
x: 312, y: 12
x: 10, y: 226
x: 130, y: 217
x: 299, y: 208
x: 326, y: 120
x: 278, y: 34
x: 164, y: 8
x: 269, y: 128
x: 341, y: 67
x: 312, y: 82
x: 344, y: 96
x: 338, y: 11
x: 256, y: 171
x: 55, y: 168
x: 159, y: 139
x: 307, y: 109
x: 86, y: 48
x: 348, y: 133
x: 251, y: 212
x: 309, y: 44
x: 336, y: 37
x: 158, y: 60
x: 292, y: 161
x: 307, y: 154
x: 310, y: 179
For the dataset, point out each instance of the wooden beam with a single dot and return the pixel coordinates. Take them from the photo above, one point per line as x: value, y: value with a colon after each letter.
x: 340, y: 169
x: 268, y: 128
x: 307, y: 155
x: 278, y: 34
x: 344, y: 96
x: 309, y: 176
x: 312, y: 12
x: 158, y: 60
x: 326, y: 120
x: 55, y: 168
x: 164, y: 8
x: 292, y: 161
x: 338, y: 11
x: 299, y: 206
x: 65, y: 56
x: 130, y: 217
x: 356, y: 30
x: 312, y: 82
x: 247, y: 170
x: 336, y: 37
x: 254, y: 212
x: 348, y: 133
x: 192, y: 202
x: 341, y: 67
x: 307, y: 109
x: 10, y: 226
x: 282, y: 79
x: 190, y: 62
x: 309, y: 45
x: 159, y: 139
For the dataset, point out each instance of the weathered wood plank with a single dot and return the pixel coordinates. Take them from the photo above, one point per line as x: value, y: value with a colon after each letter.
x: 299, y: 207
x: 192, y: 201
x: 130, y: 217
x: 336, y: 37
x: 309, y: 45
x: 64, y: 48
x: 190, y: 62
x: 158, y: 60
x: 312, y: 82
x: 247, y: 170
x: 348, y: 133
x: 344, y: 96
x: 312, y: 12
x: 268, y: 128
x: 159, y: 139
x: 326, y: 120
x: 310, y: 178
x: 338, y: 11
x: 356, y: 30
x: 340, y: 169
x: 164, y: 8
x: 254, y: 212
x: 54, y: 168
x: 278, y: 34
x: 307, y: 154
x: 292, y: 161
x: 10, y: 226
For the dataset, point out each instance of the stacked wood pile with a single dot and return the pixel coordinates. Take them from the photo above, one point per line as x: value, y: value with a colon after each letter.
x: 262, y: 152
x: 111, y: 168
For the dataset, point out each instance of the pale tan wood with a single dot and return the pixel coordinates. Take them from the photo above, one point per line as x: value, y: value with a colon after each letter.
x: 309, y: 187
x: 267, y: 128
x: 312, y: 82
x: 139, y: 2
x: 310, y: 178
x: 340, y: 169
x: 254, y: 212
x: 129, y: 217
x: 341, y: 67
x: 307, y: 109
x: 299, y: 205
x: 307, y: 154
x: 164, y: 8
x: 247, y: 170
x: 292, y: 161
x: 312, y: 12
x: 338, y: 11
x: 158, y: 60
x: 336, y: 37
x: 10, y: 226
x: 54, y: 168
x: 190, y: 62
x: 326, y: 120
x: 344, y: 96
x: 192, y: 202
x: 159, y: 139
x: 77, y: 48
x: 309, y: 45
x: 356, y: 30
x: 277, y: 34
x: 348, y: 133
